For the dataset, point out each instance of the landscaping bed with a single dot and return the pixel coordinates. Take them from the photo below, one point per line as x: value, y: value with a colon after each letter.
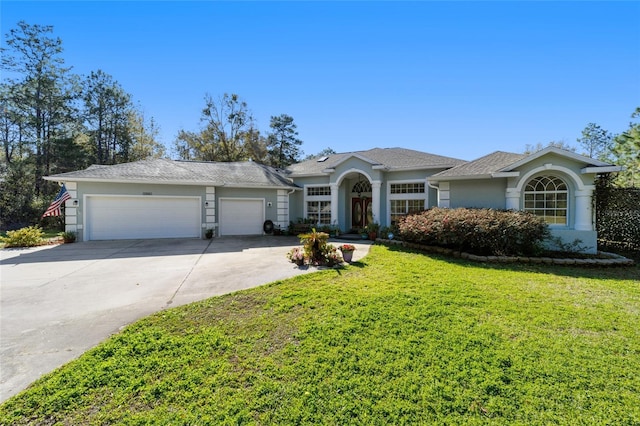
x: 550, y: 258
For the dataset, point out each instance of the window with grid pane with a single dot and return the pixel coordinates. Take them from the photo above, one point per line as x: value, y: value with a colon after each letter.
x: 400, y: 208
x: 407, y: 188
x: 319, y: 211
x: 547, y: 196
x: 318, y: 190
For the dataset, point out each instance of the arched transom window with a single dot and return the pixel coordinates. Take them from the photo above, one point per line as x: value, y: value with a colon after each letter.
x: 547, y: 196
x: 361, y: 186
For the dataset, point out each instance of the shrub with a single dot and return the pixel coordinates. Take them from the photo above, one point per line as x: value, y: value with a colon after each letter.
x: 314, y: 243
x: 68, y: 236
x: 317, y: 251
x: 479, y: 231
x: 296, y: 255
x: 25, y: 237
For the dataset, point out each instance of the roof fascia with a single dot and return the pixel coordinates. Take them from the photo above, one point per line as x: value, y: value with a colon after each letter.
x: 301, y: 175
x: 557, y: 151
x: 436, y: 178
x: 505, y: 174
x: 103, y: 180
x: 165, y: 182
x: 294, y: 187
x: 604, y: 169
x: 412, y: 169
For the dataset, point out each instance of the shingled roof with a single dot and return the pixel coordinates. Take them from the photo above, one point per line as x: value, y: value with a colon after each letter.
x: 392, y: 159
x: 238, y: 174
x: 483, y: 166
x: 499, y: 161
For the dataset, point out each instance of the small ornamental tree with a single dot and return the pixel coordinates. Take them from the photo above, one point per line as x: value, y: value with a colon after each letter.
x: 318, y: 251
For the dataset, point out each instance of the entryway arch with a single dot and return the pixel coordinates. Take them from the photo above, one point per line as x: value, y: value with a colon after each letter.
x: 363, y: 197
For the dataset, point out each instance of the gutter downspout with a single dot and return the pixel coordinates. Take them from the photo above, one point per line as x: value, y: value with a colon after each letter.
x: 437, y: 188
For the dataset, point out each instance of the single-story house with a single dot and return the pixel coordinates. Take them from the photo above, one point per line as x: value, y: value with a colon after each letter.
x: 163, y: 198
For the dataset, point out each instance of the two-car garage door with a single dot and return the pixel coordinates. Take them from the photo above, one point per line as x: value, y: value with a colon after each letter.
x: 133, y: 217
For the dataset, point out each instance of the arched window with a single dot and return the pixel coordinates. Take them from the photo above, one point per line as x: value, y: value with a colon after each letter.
x: 361, y: 186
x: 547, y: 196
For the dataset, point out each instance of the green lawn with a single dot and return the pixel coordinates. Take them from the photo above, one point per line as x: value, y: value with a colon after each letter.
x: 398, y: 338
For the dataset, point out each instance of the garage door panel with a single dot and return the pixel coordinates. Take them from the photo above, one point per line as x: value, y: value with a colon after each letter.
x: 114, y: 218
x: 241, y: 216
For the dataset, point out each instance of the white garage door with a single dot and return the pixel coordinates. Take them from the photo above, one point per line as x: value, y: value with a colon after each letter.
x: 125, y: 218
x: 241, y: 216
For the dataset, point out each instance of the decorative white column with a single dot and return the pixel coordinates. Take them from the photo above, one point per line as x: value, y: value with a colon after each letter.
x: 513, y: 199
x: 71, y: 208
x: 443, y: 195
x: 334, y: 203
x: 584, y: 210
x: 283, y: 209
x: 210, y: 208
x: 375, y: 200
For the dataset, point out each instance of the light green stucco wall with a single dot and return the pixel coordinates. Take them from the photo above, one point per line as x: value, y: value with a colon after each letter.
x: 478, y: 193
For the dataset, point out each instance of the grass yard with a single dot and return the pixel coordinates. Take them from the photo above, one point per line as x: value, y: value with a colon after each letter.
x: 398, y: 338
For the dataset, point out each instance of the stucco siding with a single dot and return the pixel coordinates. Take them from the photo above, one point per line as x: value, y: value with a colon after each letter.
x: 587, y: 241
x: 357, y: 165
x: 478, y: 193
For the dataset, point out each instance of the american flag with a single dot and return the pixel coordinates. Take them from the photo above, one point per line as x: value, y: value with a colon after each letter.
x: 54, y: 208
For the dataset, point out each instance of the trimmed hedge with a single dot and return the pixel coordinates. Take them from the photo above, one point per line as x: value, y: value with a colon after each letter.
x: 477, y: 231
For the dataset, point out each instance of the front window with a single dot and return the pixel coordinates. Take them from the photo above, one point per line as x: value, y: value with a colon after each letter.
x: 546, y: 196
x: 319, y: 212
x: 318, y: 204
x: 407, y: 188
x: 313, y: 191
x: 405, y: 198
x: 401, y: 208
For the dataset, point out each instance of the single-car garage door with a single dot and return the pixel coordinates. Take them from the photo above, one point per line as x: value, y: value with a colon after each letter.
x: 133, y: 217
x: 241, y: 216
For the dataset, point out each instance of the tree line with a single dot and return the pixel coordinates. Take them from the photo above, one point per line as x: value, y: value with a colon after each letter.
x: 54, y: 121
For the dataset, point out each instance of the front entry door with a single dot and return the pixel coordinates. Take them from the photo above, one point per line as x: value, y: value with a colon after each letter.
x: 361, y: 212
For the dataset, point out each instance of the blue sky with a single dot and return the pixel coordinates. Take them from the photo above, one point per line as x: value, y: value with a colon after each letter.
x: 461, y: 79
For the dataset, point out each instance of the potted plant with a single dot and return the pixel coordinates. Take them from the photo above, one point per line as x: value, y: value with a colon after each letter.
x: 347, y: 252
x: 372, y: 230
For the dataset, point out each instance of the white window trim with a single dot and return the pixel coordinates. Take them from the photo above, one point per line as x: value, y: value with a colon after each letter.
x: 567, y: 191
x: 308, y: 198
x: 409, y: 196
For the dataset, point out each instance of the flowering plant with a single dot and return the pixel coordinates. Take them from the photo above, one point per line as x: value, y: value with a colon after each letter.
x: 296, y: 254
x: 347, y: 247
x: 332, y: 256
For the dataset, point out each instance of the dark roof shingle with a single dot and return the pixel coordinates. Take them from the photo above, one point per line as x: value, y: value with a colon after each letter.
x: 483, y: 166
x: 242, y: 174
x: 390, y: 158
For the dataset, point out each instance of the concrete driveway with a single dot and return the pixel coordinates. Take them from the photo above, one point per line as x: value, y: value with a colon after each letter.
x: 57, y: 302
